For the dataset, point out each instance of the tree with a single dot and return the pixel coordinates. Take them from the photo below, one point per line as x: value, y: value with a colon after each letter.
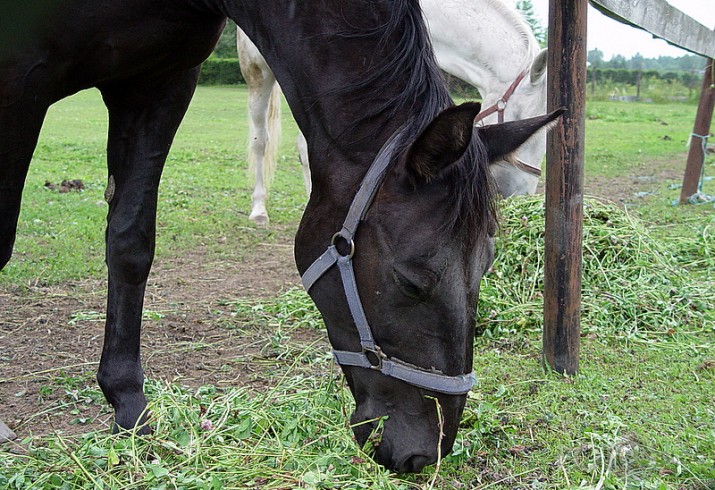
x: 617, y: 61
x: 226, y: 46
x: 527, y: 10
x: 595, y: 58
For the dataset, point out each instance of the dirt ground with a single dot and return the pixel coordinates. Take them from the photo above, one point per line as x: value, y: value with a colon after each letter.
x: 48, y: 334
x: 54, y: 333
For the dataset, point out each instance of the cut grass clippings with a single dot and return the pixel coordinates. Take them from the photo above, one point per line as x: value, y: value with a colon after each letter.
x: 633, y: 285
x: 294, y: 435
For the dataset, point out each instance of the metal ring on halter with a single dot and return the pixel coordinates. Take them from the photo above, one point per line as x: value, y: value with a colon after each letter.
x: 501, y: 104
x: 350, y: 242
x: 379, y: 355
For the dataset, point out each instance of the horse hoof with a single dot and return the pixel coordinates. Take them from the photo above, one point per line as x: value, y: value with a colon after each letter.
x: 259, y: 219
x: 134, y: 425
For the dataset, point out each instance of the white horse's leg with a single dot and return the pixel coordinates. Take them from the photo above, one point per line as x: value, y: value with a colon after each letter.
x: 264, y: 122
x: 263, y: 139
x: 303, y: 156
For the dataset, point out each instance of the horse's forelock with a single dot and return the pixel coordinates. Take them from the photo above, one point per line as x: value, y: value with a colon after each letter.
x: 473, y: 205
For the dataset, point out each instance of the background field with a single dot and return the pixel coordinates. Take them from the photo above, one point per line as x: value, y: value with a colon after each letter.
x: 244, y: 394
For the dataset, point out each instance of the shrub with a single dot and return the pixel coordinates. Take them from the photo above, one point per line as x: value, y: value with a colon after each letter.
x: 221, y: 71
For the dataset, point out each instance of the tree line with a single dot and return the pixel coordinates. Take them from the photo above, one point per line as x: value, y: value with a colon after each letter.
x: 686, y: 63
x: 222, y: 67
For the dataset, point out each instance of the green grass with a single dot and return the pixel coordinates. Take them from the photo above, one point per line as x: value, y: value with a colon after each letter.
x: 624, y: 136
x: 639, y: 415
x: 206, y: 187
x: 618, y: 254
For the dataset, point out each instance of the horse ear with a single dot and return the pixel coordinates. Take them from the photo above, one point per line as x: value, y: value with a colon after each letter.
x: 538, y: 66
x: 502, y: 139
x: 443, y: 142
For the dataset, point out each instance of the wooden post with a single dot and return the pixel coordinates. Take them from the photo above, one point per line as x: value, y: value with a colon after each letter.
x: 564, y: 184
x: 694, y: 166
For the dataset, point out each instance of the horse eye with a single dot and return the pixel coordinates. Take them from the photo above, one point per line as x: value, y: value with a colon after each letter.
x: 416, y: 284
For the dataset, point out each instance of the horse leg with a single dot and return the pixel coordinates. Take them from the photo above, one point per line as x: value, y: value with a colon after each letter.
x: 20, y: 125
x: 261, y: 156
x: 263, y: 122
x: 304, y: 162
x: 142, y: 124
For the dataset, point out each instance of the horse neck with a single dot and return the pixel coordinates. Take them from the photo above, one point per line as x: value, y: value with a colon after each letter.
x: 345, y: 119
x: 483, y: 42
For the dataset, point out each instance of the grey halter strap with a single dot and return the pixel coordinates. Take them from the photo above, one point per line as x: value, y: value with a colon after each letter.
x: 433, y: 380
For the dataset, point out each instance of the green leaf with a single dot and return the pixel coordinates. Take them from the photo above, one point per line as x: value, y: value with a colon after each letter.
x: 157, y: 470
x: 112, y: 458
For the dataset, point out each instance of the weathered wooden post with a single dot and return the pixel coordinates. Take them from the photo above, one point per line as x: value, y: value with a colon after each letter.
x: 701, y: 129
x: 564, y: 184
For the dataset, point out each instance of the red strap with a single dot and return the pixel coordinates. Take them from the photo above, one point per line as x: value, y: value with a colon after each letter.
x: 500, y: 104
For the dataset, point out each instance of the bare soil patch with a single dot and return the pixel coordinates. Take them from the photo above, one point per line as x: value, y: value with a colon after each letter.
x: 644, y: 181
x: 51, y: 337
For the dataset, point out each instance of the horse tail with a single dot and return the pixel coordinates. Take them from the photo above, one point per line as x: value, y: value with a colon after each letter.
x: 274, y: 135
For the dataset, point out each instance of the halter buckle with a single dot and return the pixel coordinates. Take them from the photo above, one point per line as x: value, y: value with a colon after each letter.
x: 378, y: 356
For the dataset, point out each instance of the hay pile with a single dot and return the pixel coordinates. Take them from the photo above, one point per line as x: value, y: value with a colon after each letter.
x: 632, y: 283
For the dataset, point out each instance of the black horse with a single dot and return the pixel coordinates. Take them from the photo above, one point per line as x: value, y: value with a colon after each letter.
x: 363, y: 86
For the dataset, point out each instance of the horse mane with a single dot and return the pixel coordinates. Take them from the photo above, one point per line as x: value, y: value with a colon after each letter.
x: 516, y: 20
x: 410, y: 65
x: 413, y: 67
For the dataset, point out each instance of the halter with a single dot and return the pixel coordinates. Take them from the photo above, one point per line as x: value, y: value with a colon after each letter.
x: 499, y: 107
x: 371, y: 355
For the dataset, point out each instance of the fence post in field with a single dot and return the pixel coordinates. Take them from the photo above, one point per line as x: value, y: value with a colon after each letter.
x: 564, y: 184
x: 701, y: 129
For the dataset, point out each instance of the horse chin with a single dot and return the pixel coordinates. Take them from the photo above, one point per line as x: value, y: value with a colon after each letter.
x: 412, y: 462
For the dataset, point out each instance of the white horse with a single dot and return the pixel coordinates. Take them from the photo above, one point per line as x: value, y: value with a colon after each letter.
x: 486, y: 43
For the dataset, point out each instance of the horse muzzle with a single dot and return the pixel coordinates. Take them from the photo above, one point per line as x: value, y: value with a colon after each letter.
x: 404, y: 428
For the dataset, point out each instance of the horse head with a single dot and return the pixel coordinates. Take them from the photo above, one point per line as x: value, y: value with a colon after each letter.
x: 521, y: 176
x: 409, y: 267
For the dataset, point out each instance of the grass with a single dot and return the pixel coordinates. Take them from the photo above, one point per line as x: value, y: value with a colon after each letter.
x: 639, y: 415
x: 644, y: 132
x: 618, y: 254
x: 205, y: 187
